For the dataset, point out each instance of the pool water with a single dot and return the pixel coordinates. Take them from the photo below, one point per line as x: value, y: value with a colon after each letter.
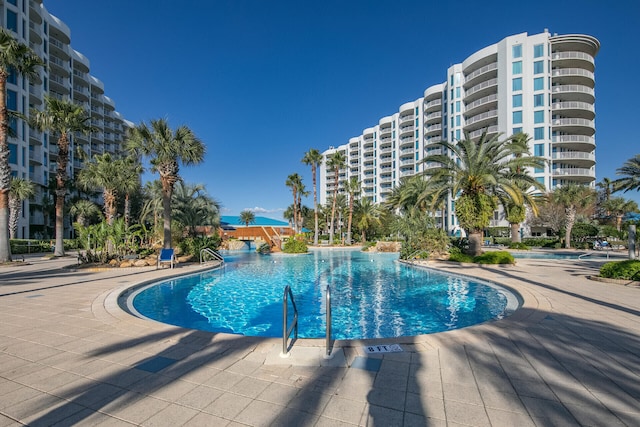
x: 372, y: 296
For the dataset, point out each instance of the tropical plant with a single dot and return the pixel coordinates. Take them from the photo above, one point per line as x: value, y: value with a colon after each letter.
x: 166, y: 149
x: 295, y: 245
x: 631, y: 175
x: 193, y: 207
x: 481, y: 174
x: 336, y: 162
x: 353, y: 189
x: 62, y: 118
x: 15, y: 58
x: 572, y: 197
x: 367, y: 216
x: 104, y: 172
x: 247, y: 217
x: 314, y: 158
x: 294, y: 181
x: 129, y: 183
x: 21, y: 189
x: 83, y: 210
x: 618, y: 207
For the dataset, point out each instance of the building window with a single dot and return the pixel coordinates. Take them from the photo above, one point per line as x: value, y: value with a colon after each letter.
x: 538, y: 50
x: 12, y: 100
x: 538, y: 116
x: 538, y: 67
x: 517, y: 101
x: 517, y: 117
x: 517, y: 131
x: 538, y: 83
x: 517, y: 51
x: 540, y: 179
x: 516, y: 84
x: 516, y: 67
x: 13, y: 153
x: 538, y: 134
x: 457, y: 134
x: 538, y: 149
x: 458, y: 120
x: 538, y: 100
x: 457, y: 92
x: 457, y: 106
x: 12, y: 21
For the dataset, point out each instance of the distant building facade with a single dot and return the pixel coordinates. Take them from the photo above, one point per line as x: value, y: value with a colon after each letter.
x: 66, y: 75
x: 541, y: 84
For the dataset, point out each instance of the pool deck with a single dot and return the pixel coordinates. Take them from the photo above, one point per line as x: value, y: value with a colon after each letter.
x: 69, y: 355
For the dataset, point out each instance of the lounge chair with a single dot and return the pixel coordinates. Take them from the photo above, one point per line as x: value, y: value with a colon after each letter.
x: 167, y: 256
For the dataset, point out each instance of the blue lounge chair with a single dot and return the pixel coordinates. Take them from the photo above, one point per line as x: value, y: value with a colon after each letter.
x: 166, y: 256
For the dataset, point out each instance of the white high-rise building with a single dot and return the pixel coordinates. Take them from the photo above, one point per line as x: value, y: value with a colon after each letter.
x: 66, y: 75
x: 541, y: 84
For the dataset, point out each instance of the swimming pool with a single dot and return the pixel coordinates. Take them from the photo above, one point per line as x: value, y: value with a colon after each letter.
x: 372, y: 296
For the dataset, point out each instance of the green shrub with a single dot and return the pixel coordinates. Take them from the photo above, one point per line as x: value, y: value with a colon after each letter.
x: 543, y: 242
x: 193, y: 245
x: 295, y: 245
x: 495, y: 257
x: 519, y: 245
x: 456, y: 254
x: 628, y: 270
x: 502, y: 241
x: 367, y: 246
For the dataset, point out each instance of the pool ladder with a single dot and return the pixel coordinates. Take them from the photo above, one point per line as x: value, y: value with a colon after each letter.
x: 207, y: 252
x: 287, y: 329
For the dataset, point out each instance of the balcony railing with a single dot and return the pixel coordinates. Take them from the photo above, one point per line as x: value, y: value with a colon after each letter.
x: 573, y: 122
x: 481, y: 86
x: 483, y: 116
x: 576, y: 105
x: 574, y: 138
x: 573, y: 172
x: 485, y: 69
x: 572, y: 155
x: 572, y: 55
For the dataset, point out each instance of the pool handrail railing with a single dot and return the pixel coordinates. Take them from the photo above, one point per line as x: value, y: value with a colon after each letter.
x: 286, y: 332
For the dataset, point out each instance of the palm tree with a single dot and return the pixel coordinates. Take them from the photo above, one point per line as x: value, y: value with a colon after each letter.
x: 367, y: 215
x: 247, y: 217
x: 129, y: 183
x: 572, y: 197
x: 84, y: 209
x: 353, y: 188
x: 480, y: 173
x: 167, y: 149
x: 62, y: 118
x: 605, y: 185
x: 336, y: 162
x: 193, y: 207
x: 618, y: 207
x: 631, y: 175
x: 21, y: 189
x: 314, y: 158
x: 103, y: 172
x: 15, y: 57
x: 294, y: 181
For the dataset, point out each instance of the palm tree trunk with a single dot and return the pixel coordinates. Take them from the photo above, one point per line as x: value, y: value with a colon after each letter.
x: 5, y: 172
x: 14, y: 216
x: 475, y: 243
x: 5, y: 247
x: 515, y: 232
x: 59, y: 247
x: 166, y: 216
x: 350, y: 221
x: 315, y: 206
x: 571, y: 219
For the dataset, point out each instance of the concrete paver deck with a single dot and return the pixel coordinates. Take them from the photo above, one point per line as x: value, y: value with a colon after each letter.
x: 70, y: 356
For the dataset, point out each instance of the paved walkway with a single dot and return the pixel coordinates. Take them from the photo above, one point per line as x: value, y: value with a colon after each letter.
x: 70, y: 356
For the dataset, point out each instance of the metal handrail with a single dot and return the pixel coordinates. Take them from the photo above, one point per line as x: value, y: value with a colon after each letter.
x: 212, y: 253
x: 286, y: 332
x: 412, y: 257
x: 328, y: 310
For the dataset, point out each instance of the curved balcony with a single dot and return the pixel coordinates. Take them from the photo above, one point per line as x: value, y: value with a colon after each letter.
x: 574, y: 174
x: 58, y: 66
x: 407, y: 142
x: 481, y: 105
x: 406, y: 118
x: 354, y: 153
x: 387, y: 160
x: 483, y: 89
x: 35, y: 95
x: 481, y: 74
x: 575, y: 158
x: 579, y: 93
x: 582, y: 110
x: 574, y: 126
x: 80, y: 93
x: 573, y: 59
x: 386, y: 149
x: 385, y: 131
x: 59, y: 49
x: 575, y: 142
x: 433, y: 129
x: 481, y: 120
x: 491, y: 131
x: 578, y: 76
x: 433, y: 117
x: 407, y: 130
x: 58, y: 83
x: 34, y: 33
x: 35, y: 14
x: 433, y: 105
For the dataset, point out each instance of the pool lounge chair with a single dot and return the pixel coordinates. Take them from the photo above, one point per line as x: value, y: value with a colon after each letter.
x: 167, y: 256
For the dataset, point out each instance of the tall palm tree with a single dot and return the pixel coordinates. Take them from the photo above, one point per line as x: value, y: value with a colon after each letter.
x: 572, y: 197
x: 193, y: 207
x: 84, y: 209
x: 336, y: 162
x: 353, y: 188
x: 21, y: 189
x: 105, y: 173
x: 166, y: 149
x: 605, y: 185
x: 15, y: 57
x: 62, y: 118
x: 247, y: 217
x: 294, y: 181
x: 313, y: 158
x: 631, y: 175
x: 480, y: 173
x: 618, y: 207
x: 130, y: 183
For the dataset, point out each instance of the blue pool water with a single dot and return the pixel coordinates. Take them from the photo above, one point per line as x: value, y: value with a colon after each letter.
x: 372, y: 296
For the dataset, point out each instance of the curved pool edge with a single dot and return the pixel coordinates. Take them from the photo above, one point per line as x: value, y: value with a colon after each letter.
x: 116, y: 305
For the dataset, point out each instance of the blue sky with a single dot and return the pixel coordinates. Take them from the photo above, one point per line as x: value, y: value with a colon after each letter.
x: 261, y: 82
